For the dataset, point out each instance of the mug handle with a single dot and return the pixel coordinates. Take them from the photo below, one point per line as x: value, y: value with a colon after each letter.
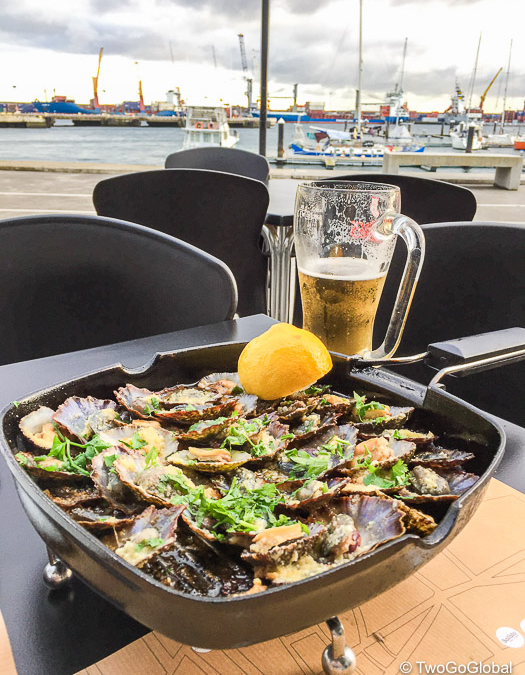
x: 412, y: 234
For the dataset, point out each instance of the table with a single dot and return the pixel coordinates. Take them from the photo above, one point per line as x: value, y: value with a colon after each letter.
x: 63, y: 632
x: 278, y: 233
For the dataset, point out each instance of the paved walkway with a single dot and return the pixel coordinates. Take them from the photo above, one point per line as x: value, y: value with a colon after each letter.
x: 26, y: 192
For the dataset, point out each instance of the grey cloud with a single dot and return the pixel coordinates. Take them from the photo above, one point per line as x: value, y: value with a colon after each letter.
x: 86, y: 37
x: 335, y: 68
x: 106, y: 6
x: 250, y: 9
x: 436, y: 2
x: 26, y: 27
x: 436, y: 83
x: 305, y: 6
x: 238, y: 9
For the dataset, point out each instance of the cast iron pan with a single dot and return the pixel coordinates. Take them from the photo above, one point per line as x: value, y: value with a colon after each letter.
x: 228, y: 623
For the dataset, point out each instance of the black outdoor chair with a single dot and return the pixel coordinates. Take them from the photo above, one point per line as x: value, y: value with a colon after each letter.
x: 229, y: 160
x: 73, y: 282
x: 220, y: 213
x: 424, y: 199
x: 473, y: 281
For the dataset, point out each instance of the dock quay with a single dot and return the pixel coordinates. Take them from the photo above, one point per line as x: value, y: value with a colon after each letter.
x: 28, y: 188
x: 38, y: 120
x: 21, y: 121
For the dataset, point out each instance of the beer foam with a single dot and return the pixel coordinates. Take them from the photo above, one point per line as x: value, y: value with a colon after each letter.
x: 343, y: 269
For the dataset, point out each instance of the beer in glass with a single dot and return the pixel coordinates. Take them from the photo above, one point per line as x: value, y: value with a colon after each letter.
x: 345, y: 235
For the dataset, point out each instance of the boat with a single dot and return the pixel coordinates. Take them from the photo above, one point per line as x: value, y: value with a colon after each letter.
x: 332, y: 143
x: 394, y: 108
x: 207, y: 126
x: 456, y: 112
x: 401, y: 140
x: 166, y: 118
x: 519, y: 143
x: 459, y: 136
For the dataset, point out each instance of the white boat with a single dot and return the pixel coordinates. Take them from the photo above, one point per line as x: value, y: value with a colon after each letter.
x: 459, y: 136
x: 333, y: 143
x: 456, y: 112
x: 207, y: 126
x: 401, y: 139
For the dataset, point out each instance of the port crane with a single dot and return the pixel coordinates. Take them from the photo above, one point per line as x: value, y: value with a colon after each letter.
x: 249, y: 80
x: 96, y: 104
x: 142, y: 107
x: 484, y: 94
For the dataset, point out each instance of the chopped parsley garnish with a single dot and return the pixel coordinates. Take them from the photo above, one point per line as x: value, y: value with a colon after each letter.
x: 396, y: 434
x: 109, y: 460
x: 151, y: 457
x: 177, y: 481
x: 240, y: 510
x: 152, y: 404
x: 323, y: 401
x: 189, y: 408
x: 154, y: 542
x: 387, y: 478
x: 237, y: 390
x: 316, y: 389
x: 324, y: 487
x: 135, y: 442
x: 200, y: 426
x: 15, y: 403
x: 309, y: 426
x: 287, y: 437
x: 241, y: 432
x: 309, y: 466
x: 61, y: 450
x: 336, y: 445
x: 362, y: 408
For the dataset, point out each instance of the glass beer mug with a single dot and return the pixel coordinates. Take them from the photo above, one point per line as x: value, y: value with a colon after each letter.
x: 345, y: 234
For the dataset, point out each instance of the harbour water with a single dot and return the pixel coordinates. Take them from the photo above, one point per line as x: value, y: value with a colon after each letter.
x: 148, y: 145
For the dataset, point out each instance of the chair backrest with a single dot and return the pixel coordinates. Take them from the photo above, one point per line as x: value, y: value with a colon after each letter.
x: 423, y: 199
x: 229, y: 160
x: 72, y: 282
x: 220, y: 213
x: 473, y: 281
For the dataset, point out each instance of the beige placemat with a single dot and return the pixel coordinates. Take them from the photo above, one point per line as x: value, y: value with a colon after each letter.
x: 7, y: 663
x: 453, y: 610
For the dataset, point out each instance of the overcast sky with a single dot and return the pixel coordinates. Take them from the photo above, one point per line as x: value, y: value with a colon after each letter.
x: 54, y: 45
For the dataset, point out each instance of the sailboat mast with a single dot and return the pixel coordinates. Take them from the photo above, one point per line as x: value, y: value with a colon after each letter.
x: 399, y: 87
x: 360, y: 67
x: 506, y: 88
x: 473, y: 79
x: 403, y: 66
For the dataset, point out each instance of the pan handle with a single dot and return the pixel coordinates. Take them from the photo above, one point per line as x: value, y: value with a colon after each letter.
x: 476, y: 353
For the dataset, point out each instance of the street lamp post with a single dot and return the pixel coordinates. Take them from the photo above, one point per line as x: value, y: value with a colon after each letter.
x: 264, y: 76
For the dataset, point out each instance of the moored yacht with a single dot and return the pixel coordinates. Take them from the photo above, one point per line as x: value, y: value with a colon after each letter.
x: 207, y: 126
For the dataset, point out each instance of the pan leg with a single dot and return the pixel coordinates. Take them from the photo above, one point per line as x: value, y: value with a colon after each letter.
x: 338, y: 658
x: 56, y: 574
